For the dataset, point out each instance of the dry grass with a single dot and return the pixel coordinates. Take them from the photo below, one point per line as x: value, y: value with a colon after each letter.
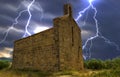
x: 20, y: 73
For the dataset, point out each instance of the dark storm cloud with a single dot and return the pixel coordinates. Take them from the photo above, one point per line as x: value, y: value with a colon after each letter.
x: 44, y: 11
x: 13, y: 35
x: 103, y: 50
x: 108, y: 18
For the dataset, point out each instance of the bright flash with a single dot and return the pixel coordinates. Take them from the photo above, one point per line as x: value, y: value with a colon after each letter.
x: 90, y: 1
x: 39, y: 29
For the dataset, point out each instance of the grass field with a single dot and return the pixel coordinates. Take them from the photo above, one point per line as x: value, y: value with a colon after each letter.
x: 93, y: 68
x: 86, y: 73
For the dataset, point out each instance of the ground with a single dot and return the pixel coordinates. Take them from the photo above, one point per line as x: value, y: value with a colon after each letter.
x: 21, y: 73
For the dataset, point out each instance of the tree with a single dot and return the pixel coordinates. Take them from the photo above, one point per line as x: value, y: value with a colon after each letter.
x: 4, y: 64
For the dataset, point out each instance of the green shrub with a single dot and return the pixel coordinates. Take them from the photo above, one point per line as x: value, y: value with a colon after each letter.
x: 4, y: 64
x: 116, y: 63
x: 112, y: 64
x: 108, y: 64
x: 94, y: 64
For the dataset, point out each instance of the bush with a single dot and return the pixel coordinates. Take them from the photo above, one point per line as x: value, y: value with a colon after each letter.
x: 116, y: 63
x: 99, y: 64
x: 4, y: 64
x: 112, y: 64
x: 94, y: 64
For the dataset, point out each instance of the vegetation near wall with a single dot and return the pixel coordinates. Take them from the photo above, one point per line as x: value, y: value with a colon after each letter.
x: 97, y: 64
x: 107, y: 68
x: 94, y: 64
x: 4, y: 64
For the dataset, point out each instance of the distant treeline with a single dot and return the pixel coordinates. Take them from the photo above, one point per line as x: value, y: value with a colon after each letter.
x: 97, y: 64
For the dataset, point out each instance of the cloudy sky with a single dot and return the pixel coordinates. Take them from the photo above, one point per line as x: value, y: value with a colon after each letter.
x: 44, y: 11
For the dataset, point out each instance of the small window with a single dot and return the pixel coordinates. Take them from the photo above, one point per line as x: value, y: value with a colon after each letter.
x: 72, y: 37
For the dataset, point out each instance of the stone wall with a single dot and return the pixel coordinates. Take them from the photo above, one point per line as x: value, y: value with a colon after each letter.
x: 70, y: 43
x: 36, y: 52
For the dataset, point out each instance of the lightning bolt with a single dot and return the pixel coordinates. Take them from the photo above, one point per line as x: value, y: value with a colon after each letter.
x: 16, y: 22
x: 28, y: 22
x: 98, y: 33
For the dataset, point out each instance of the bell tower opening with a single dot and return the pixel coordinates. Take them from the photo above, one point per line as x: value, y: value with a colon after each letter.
x: 68, y: 9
